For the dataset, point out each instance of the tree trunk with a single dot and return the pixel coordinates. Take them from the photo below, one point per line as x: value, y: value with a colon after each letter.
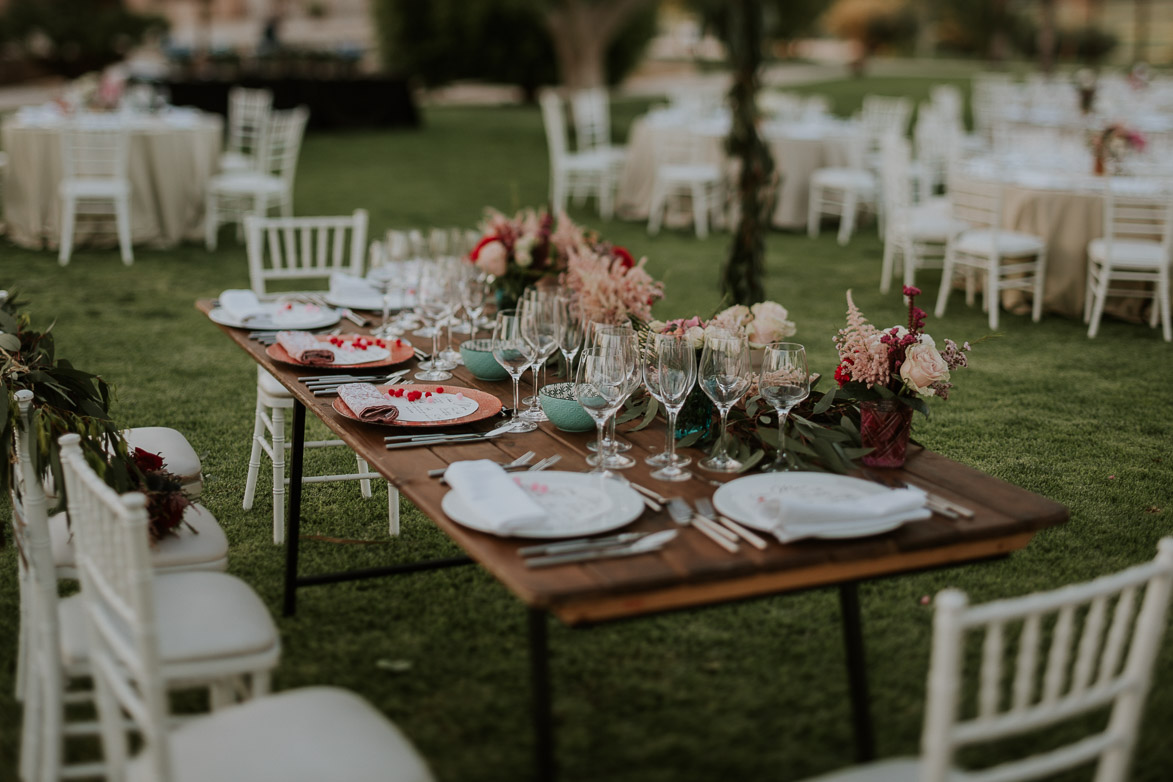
x: 581, y: 31
x: 1047, y: 37
x: 742, y: 277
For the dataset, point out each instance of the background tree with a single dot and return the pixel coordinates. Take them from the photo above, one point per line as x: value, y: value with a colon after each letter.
x: 741, y: 279
x: 525, y: 42
x: 871, y: 24
x: 784, y: 21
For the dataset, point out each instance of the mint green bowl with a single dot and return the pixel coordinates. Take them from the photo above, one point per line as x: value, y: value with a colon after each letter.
x: 563, y: 409
x: 478, y: 357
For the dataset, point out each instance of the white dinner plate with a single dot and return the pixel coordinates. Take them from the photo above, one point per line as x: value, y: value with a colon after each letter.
x: 363, y: 301
x: 324, y: 317
x: 580, y: 504
x: 738, y: 500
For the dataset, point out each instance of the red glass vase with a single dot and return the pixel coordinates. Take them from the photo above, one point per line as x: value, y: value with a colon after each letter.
x: 884, y: 426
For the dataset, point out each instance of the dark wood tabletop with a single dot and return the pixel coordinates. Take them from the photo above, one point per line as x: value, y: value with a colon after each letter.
x: 690, y: 571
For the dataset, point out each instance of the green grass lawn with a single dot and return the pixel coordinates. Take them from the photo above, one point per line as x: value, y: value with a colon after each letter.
x: 747, y: 691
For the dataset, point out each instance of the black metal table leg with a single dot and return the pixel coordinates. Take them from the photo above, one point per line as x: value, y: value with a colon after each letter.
x: 293, y: 513
x: 857, y: 673
x: 539, y: 656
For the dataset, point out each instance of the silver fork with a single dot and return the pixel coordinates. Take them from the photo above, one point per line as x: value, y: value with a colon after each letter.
x: 681, y: 513
x: 549, y: 461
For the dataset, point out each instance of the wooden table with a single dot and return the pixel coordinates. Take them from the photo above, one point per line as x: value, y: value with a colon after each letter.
x: 691, y: 572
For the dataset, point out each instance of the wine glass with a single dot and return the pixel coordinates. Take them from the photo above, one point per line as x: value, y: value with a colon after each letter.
x: 435, y: 304
x: 473, y: 296
x: 599, y: 388
x: 449, y: 356
x: 568, y: 320
x: 675, y: 375
x: 623, y: 345
x: 784, y: 382
x: 656, y: 346
x: 724, y: 377
x: 602, y: 334
x: 514, y: 354
x: 538, y: 329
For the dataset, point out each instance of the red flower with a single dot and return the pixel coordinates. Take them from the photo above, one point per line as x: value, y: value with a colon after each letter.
x: 476, y: 251
x: 147, y: 461
x: 842, y: 375
x: 625, y: 258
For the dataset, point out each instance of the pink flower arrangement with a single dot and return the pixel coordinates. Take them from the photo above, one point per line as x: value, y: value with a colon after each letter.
x: 761, y: 324
x: 1116, y: 141
x: 610, y: 286
x: 903, y: 359
x: 517, y: 251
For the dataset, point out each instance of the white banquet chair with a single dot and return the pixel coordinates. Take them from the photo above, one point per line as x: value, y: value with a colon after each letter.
x: 215, y: 632
x: 683, y: 172
x: 1045, y: 659
x: 1137, y: 247
x: 282, y: 249
x: 584, y: 173
x: 248, y: 123
x: 915, y: 233
x: 95, y: 180
x: 591, y: 109
x: 306, y: 735
x: 842, y: 191
x: 1010, y: 260
x: 234, y: 194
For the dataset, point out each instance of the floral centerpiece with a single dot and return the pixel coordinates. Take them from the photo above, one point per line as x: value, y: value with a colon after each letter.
x: 609, y: 284
x: 892, y: 372
x: 1112, y: 144
x: 516, y: 252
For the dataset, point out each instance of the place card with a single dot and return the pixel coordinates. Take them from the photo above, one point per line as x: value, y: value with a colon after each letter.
x: 417, y: 406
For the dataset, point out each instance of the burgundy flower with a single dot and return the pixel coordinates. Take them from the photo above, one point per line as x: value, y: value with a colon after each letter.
x: 147, y: 461
x: 625, y: 258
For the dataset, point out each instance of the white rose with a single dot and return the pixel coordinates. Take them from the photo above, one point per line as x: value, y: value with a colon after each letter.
x: 732, y: 319
x: 769, y: 324
x: 696, y: 337
x: 523, y: 251
x: 923, y: 366
x: 491, y: 258
x: 656, y: 326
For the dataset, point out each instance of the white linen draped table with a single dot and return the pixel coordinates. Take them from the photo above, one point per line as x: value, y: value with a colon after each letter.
x: 172, y: 156
x: 1065, y: 208
x: 798, y: 148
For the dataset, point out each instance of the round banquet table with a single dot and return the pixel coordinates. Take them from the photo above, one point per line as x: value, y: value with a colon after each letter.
x: 172, y: 155
x: 1066, y: 210
x: 798, y: 148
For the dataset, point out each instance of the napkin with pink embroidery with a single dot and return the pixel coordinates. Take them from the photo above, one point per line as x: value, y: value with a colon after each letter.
x: 305, y: 348
x: 368, y: 403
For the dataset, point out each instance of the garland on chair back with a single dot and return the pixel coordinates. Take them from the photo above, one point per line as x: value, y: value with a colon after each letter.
x: 69, y: 400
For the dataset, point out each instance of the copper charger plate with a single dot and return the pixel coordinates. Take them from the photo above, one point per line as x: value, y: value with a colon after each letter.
x: 399, y: 354
x: 487, y: 406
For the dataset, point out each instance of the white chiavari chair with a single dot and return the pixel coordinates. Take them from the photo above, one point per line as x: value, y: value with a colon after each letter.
x: 248, y: 122
x: 95, y: 180
x: 582, y: 173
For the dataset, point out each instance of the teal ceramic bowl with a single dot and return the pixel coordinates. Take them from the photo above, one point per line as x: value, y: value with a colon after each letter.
x: 563, y: 409
x: 478, y: 357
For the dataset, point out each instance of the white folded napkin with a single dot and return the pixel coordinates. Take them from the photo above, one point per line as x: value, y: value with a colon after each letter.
x: 492, y: 493
x: 243, y: 305
x: 348, y: 286
x: 368, y: 403
x: 791, y: 518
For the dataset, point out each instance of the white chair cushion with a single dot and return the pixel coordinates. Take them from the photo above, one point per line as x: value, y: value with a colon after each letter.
x: 200, y: 617
x: 595, y: 160
x: 313, y: 734
x: 890, y: 770
x: 1129, y: 252
x: 931, y: 224
x: 689, y: 172
x: 179, y: 457
x: 1010, y: 244
x: 271, y: 386
x: 844, y: 179
x: 207, y: 550
x: 231, y: 162
x: 245, y: 183
x: 95, y: 188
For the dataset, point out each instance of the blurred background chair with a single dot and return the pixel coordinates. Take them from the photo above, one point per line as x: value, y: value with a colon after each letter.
x: 684, y: 172
x: 95, y: 180
x: 583, y: 173
x: 248, y: 123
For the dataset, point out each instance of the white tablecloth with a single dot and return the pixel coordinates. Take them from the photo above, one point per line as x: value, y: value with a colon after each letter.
x: 172, y: 156
x: 798, y: 149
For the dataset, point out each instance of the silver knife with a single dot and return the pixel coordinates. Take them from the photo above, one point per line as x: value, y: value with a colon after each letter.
x: 580, y: 544
x: 645, y: 545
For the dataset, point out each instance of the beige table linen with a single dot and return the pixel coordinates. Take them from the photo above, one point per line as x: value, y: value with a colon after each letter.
x: 170, y: 163
x: 797, y: 152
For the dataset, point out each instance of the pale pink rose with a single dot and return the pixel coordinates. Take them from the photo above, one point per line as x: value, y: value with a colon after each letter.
x: 696, y: 336
x: 732, y: 319
x: 770, y: 324
x: 923, y: 366
x: 491, y: 259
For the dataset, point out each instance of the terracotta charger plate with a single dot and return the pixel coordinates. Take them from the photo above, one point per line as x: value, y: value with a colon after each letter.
x: 487, y: 406
x: 399, y: 354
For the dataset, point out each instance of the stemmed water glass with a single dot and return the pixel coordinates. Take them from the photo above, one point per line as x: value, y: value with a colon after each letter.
x: 473, y: 296
x: 599, y: 386
x: 784, y: 382
x: 724, y: 377
x: 436, y: 302
x: 538, y: 329
x: 675, y: 376
x: 602, y: 335
x: 514, y: 354
x: 450, y: 357
x: 623, y: 344
x: 657, y: 348
x: 568, y: 322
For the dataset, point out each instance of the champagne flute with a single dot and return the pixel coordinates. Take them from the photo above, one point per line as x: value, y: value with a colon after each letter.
x: 598, y: 387
x: 784, y: 382
x: 514, y: 354
x: 676, y: 375
x: 658, y: 345
x: 724, y: 377
x: 449, y: 357
x: 569, y: 326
